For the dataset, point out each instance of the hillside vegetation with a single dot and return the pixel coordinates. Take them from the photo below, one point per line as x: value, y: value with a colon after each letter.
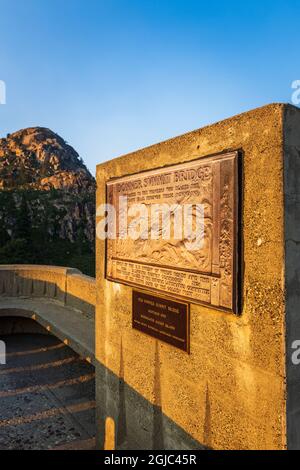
x: 47, y: 202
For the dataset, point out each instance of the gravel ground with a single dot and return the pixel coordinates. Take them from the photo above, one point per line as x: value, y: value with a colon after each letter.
x: 47, y: 395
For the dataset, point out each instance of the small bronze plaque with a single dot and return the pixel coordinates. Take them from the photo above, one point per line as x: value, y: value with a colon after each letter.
x: 161, y: 318
x: 165, y: 264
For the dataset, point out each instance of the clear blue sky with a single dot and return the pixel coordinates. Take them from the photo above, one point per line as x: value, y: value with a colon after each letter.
x: 111, y: 76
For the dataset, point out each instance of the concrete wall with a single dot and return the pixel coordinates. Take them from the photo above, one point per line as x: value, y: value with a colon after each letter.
x: 229, y: 393
x: 292, y: 269
x: 65, y: 285
x: 60, y: 300
x: 81, y: 292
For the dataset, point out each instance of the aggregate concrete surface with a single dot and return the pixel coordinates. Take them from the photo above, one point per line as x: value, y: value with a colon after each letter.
x: 47, y: 395
x: 230, y: 391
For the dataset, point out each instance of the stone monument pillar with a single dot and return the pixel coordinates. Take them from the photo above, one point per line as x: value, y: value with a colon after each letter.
x: 198, y: 348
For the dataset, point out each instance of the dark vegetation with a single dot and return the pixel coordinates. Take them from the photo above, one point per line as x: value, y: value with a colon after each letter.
x: 41, y: 227
x: 47, y: 202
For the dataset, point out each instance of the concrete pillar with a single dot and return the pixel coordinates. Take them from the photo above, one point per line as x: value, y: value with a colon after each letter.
x: 237, y: 388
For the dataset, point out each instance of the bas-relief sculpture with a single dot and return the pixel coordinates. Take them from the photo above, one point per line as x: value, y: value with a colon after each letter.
x: 207, y: 275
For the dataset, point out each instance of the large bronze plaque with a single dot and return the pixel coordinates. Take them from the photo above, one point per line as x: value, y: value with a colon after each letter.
x: 161, y: 318
x: 208, y: 275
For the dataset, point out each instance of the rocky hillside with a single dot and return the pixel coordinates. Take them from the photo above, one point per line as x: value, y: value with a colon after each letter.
x: 37, y: 158
x: 47, y: 201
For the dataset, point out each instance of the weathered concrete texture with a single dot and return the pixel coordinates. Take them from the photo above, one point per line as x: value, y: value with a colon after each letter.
x: 47, y: 395
x: 229, y: 393
x: 81, y: 293
x: 292, y: 268
x: 62, y: 300
x: 133, y: 412
x: 66, y: 285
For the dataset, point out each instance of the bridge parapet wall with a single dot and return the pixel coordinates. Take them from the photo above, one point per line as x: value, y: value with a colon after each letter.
x: 67, y: 286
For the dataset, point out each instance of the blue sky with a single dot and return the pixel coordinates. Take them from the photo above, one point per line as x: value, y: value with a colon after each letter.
x: 112, y: 76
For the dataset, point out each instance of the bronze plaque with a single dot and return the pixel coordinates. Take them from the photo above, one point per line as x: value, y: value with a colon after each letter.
x: 161, y: 318
x: 207, y: 275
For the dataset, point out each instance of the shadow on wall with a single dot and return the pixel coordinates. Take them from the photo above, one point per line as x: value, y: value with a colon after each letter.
x: 127, y: 421
x: 14, y: 325
x: 65, y: 285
